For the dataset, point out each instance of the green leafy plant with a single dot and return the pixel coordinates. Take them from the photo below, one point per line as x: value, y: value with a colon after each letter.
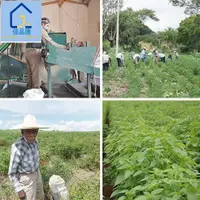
x: 152, y: 150
x: 176, y: 78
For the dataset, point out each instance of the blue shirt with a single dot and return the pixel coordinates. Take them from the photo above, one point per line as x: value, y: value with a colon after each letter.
x: 143, y: 54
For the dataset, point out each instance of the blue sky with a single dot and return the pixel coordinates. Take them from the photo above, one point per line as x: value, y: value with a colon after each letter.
x: 64, y: 115
x: 170, y: 16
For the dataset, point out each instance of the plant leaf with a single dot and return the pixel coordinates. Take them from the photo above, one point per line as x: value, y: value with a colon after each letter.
x: 120, y: 178
x: 157, y: 191
x: 141, y: 198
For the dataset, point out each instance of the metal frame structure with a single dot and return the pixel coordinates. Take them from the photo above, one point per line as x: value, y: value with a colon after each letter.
x: 80, y: 59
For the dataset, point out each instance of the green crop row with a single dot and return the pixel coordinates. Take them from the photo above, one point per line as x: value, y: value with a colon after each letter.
x: 149, y: 156
x: 176, y: 78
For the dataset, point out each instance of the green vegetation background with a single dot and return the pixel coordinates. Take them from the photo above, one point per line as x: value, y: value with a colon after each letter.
x: 74, y: 156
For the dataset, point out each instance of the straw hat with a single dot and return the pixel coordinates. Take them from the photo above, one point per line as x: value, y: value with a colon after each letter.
x: 30, y: 122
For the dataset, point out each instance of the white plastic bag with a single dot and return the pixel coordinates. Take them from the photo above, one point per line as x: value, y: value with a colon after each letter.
x: 5, y: 86
x: 58, y: 188
x: 33, y: 94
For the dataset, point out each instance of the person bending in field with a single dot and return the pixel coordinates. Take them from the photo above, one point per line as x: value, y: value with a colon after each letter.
x: 24, y: 165
x: 120, y: 59
x: 170, y: 56
x: 176, y: 54
x: 105, y: 60
x: 136, y: 58
x: 162, y: 57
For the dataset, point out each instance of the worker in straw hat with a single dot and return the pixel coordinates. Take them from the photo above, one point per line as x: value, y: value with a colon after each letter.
x: 24, y: 162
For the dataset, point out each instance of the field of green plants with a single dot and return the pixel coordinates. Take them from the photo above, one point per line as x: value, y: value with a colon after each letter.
x: 69, y: 155
x: 152, y: 150
x: 176, y: 78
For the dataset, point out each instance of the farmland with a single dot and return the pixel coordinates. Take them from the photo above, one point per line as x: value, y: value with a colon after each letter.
x: 176, y: 78
x: 69, y: 155
x: 152, y: 150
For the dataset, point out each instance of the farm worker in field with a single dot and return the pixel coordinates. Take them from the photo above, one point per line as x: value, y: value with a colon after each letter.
x: 35, y: 57
x: 176, y: 54
x: 136, y: 58
x: 120, y: 59
x: 24, y: 165
x: 105, y: 60
x: 156, y: 56
x: 162, y: 57
x: 144, y: 55
x: 170, y: 56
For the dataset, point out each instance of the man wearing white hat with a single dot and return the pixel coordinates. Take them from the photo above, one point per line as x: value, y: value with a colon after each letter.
x: 24, y: 162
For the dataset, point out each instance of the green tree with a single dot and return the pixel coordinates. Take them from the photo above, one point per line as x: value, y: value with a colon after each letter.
x: 191, y: 6
x: 189, y: 32
x: 146, y: 14
x: 151, y: 38
x: 168, y: 36
x: 131, y: 27
x: 110, y: 11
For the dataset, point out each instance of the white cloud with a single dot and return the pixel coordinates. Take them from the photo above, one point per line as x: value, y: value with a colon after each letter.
x: 67, y: 126
x: 69, y: 107
x: 76, y: 126
x: 1, y: 122
x: 11, y: 123
x: 50, y: 111
x: 17, y: 126
x: 16, y: 115
x: 62, y: 122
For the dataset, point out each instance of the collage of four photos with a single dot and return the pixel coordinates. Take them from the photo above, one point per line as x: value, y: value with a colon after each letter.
x: 99, y: 100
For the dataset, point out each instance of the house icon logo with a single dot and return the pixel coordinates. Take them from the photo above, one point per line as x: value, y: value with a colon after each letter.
x: 24, y: 28
x: 21, y: 21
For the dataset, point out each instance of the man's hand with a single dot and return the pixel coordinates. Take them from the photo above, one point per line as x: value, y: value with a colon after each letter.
x: 22, y: 195
x: 65, y: 47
